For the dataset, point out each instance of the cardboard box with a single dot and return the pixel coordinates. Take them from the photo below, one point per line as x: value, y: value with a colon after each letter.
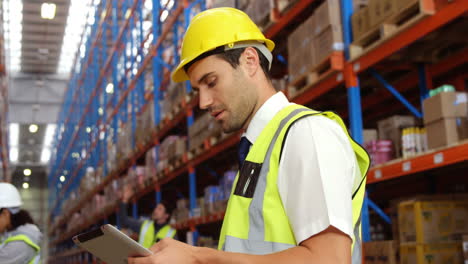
x: 462, y: 128
x: 369, y: 135
x: 359, y: 4
x: 437, y: 221
x: 390, y: 128
x: 360, y: 22
x: 465, y: 248
x: 389, y: 8
x: 259, y: 12
x: 380, y: 252
x: 445, y: 132
x: 440, y: 253
x: 445, y: 105
x: 329, y: 40
x: 375, y: 12
x: 328, y: 14
x: 301, y: 51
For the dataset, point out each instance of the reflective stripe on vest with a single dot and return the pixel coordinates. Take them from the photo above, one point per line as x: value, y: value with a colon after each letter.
x: 29, y: 242
x: 147, y: 237
x: 259, y: 225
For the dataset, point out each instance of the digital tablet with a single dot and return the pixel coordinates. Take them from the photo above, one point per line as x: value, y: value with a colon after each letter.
x: 110, y: 245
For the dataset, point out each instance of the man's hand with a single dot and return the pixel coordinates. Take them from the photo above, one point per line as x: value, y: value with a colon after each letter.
x: 127, y: 193
x: 168, y: 251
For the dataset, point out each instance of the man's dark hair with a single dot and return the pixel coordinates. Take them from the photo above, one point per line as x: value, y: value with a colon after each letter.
x: 168, y: 208
x: 232, y: 57
x: 19, y: 219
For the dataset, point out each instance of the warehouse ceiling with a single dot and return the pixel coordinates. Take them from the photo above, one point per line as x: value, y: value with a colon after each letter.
x: 42, y: 38
x: 39, y: 53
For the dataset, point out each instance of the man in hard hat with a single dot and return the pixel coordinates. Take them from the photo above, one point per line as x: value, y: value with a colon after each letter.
x: 21, y: 237
x: 298, y: 195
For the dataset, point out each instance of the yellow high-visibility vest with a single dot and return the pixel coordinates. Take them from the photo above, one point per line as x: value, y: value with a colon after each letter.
x: 147, y: 237
x: 255, y: 220
x: 29, y: 242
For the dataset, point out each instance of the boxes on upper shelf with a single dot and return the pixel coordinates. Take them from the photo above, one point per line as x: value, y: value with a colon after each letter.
x: 259, y: 12
x: 445, y: 105
x: 301, y: 51
x: 360, y: 21
x: 328, y: 36
x: 327, y: 14
x: 446, y: 118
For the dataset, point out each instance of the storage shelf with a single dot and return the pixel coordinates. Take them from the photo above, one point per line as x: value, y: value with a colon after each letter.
x: 427, y: 161
x: 191, y: 223
x: 68, y: 253
x: 123, y: 166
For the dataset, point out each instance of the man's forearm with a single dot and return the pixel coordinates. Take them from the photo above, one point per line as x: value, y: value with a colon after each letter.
x: 293, y: 255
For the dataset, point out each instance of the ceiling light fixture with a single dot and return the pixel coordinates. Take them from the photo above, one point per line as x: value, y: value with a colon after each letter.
x: 33, y: 128
x: 48, y: 10
x: 25, y: 185
x: 62, y: 178
x: 13, y: 154
x: 27, y: 172
x: 12, y: 33
x: 110, y: 88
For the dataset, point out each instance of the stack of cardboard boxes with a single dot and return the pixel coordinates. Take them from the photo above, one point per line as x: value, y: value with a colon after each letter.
x: 171, y: 149
x: 301, y: 49
x: 312, y: 43
x: 446, y: 118
x: 328, y: 36
x: 380, y: 252
x: 203, y: 128
x: 391, y: 129
x: 371, y: 16
x: 432, y: 228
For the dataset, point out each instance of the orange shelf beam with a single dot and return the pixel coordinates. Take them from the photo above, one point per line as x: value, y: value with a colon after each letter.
x: 202, y: 220
x: 431, y: 160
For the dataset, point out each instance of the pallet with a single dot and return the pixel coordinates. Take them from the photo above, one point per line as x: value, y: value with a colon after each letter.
x: 392, y: 25
x: 333, y: 63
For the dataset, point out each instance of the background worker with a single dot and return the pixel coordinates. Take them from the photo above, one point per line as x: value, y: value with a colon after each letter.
x: 299, y: 192
x: 150, y: 230
x: 20, y: 237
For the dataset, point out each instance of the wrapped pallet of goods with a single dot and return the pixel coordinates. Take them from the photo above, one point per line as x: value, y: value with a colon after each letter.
x: 432, y: 227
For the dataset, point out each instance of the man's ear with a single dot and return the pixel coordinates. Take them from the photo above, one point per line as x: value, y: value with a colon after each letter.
x: 250, y: 61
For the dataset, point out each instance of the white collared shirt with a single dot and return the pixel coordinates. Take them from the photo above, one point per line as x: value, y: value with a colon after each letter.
x: 316, y: 172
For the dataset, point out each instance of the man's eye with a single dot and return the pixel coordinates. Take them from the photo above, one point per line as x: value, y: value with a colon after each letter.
x: 211, y: 84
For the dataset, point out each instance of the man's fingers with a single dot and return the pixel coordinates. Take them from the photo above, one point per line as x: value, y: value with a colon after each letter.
x: 159, y: 246
x: 144, y: 260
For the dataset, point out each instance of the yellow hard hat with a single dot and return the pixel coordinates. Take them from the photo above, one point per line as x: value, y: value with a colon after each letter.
x: 213, y: 28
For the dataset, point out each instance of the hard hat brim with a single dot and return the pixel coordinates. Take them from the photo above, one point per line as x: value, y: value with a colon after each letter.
x: 179, y: 74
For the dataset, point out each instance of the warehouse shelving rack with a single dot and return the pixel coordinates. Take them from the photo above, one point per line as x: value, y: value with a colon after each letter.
x: 348, y: 77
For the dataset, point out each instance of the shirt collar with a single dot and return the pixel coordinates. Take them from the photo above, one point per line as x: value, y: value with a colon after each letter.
x: 264, y: 114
